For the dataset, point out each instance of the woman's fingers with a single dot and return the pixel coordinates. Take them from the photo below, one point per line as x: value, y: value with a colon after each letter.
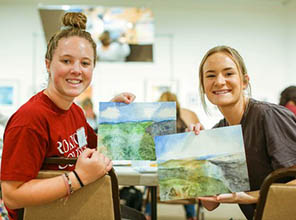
x: 125, y: 97
x: 129, y: 97
x: 92, y: 165
x: 195, y: 128
x: 239, y: 197
x: 109, y: 166
x: 227, y: 197
x: 87, y: 153
x: 108, y: 162
x: 103, y: 162
x: 208, y: 198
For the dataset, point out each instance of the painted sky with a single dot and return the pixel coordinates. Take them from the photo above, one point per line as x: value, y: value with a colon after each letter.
x: 226, y: 140
x: 120, y: 112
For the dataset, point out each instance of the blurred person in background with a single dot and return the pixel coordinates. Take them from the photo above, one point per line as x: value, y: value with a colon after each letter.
x: 288, y: 98
x: 91, y: 117
x: 112, y: 50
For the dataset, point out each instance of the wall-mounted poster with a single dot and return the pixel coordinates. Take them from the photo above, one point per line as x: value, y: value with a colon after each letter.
x: 121, y: 33
x: 126, y: 131
x: 210, y: 163
x: 155, y: 88
x: 8, y: 94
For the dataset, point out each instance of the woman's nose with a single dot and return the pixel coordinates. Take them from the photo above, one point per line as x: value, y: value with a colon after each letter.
x: 76, y: 68
x: 220, y: 80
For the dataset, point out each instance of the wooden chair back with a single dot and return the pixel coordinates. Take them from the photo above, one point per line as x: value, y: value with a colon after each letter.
x: 277, y: 200
x: 98, y: 200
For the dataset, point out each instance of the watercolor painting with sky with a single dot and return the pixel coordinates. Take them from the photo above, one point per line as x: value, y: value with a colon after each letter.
x: 126, y: 131
x: 210, y: 163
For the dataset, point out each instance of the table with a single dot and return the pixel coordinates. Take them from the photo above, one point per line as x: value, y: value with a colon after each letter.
x: 128, y: 176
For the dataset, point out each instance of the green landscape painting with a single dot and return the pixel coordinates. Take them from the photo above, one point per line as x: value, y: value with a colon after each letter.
x: 126, y: 131
x: 210, y: 163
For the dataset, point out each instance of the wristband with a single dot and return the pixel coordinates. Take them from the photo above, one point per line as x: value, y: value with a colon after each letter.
x: 78, y: 178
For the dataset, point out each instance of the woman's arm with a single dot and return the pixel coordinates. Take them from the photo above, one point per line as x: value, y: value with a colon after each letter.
x: 34, y: 192
x: 212, y: 202
x: 189, y: 117
x: 91, y: 165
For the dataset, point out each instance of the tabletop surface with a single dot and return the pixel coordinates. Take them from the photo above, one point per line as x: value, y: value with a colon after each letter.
x: 127, y: 175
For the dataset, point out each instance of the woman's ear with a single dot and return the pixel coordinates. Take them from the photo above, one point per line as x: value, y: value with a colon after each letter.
x: 47, y: 64
x: 246, y: 80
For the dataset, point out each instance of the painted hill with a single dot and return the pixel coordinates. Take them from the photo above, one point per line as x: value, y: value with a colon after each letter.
x: 192, y: 178
x: 162, y: 128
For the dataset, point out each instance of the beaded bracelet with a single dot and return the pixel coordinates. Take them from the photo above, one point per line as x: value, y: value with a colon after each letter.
x: 66, y: 184
x: 69, y: 183
x: 78, y: 178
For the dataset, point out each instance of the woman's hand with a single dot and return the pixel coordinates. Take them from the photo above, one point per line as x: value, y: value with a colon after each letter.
x: 124, y: 97
x: 212, y: 202
x: 239, y: 197
x: 92, y: 165
x: 196, y: 128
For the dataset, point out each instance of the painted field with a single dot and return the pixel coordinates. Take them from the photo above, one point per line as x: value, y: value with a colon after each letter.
x: 126, y: 131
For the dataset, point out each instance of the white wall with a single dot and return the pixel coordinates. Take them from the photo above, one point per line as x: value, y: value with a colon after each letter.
x: 262, y: 31
x: 290, y: 45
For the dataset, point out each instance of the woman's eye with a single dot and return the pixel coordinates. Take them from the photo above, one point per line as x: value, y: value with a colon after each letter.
x: 210, y: 76
x: 66, y: 61
x: 85, y: 63
x: 229, y: 74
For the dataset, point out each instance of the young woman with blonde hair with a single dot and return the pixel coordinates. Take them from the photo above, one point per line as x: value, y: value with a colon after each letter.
x: 269, y: 130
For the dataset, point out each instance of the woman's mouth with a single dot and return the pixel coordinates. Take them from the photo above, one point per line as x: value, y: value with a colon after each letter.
x: 222, y: 92
x: 74, y: 81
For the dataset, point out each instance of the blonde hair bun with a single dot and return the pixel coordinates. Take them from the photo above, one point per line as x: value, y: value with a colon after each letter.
x: 75, y: 20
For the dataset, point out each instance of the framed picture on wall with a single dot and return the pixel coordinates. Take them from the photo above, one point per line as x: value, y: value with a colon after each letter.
x: 9, y: 94
x: 122, y: 34
x: 154, y: 88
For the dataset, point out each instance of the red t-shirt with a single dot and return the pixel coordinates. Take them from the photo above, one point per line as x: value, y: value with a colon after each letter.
x: 40, y: 129
x: 291, y: 108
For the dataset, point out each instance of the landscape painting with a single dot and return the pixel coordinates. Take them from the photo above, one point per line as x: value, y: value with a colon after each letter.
x: 126, y: 131
x: 210, y: 163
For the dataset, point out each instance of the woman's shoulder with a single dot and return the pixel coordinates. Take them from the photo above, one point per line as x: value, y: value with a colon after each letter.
x: 265, y: 105
x: 30, y: 107
x: 77, y: 109
x: 268, y: 109
x: 34, y: 110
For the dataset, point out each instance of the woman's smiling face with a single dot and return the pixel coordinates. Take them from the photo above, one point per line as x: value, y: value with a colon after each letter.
x: 71, y: 68
x: 223, y: 83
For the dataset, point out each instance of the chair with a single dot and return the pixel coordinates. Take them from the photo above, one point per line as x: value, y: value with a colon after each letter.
x: 277, y: 200
x: 98, y: 200
x: 199, y: 207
